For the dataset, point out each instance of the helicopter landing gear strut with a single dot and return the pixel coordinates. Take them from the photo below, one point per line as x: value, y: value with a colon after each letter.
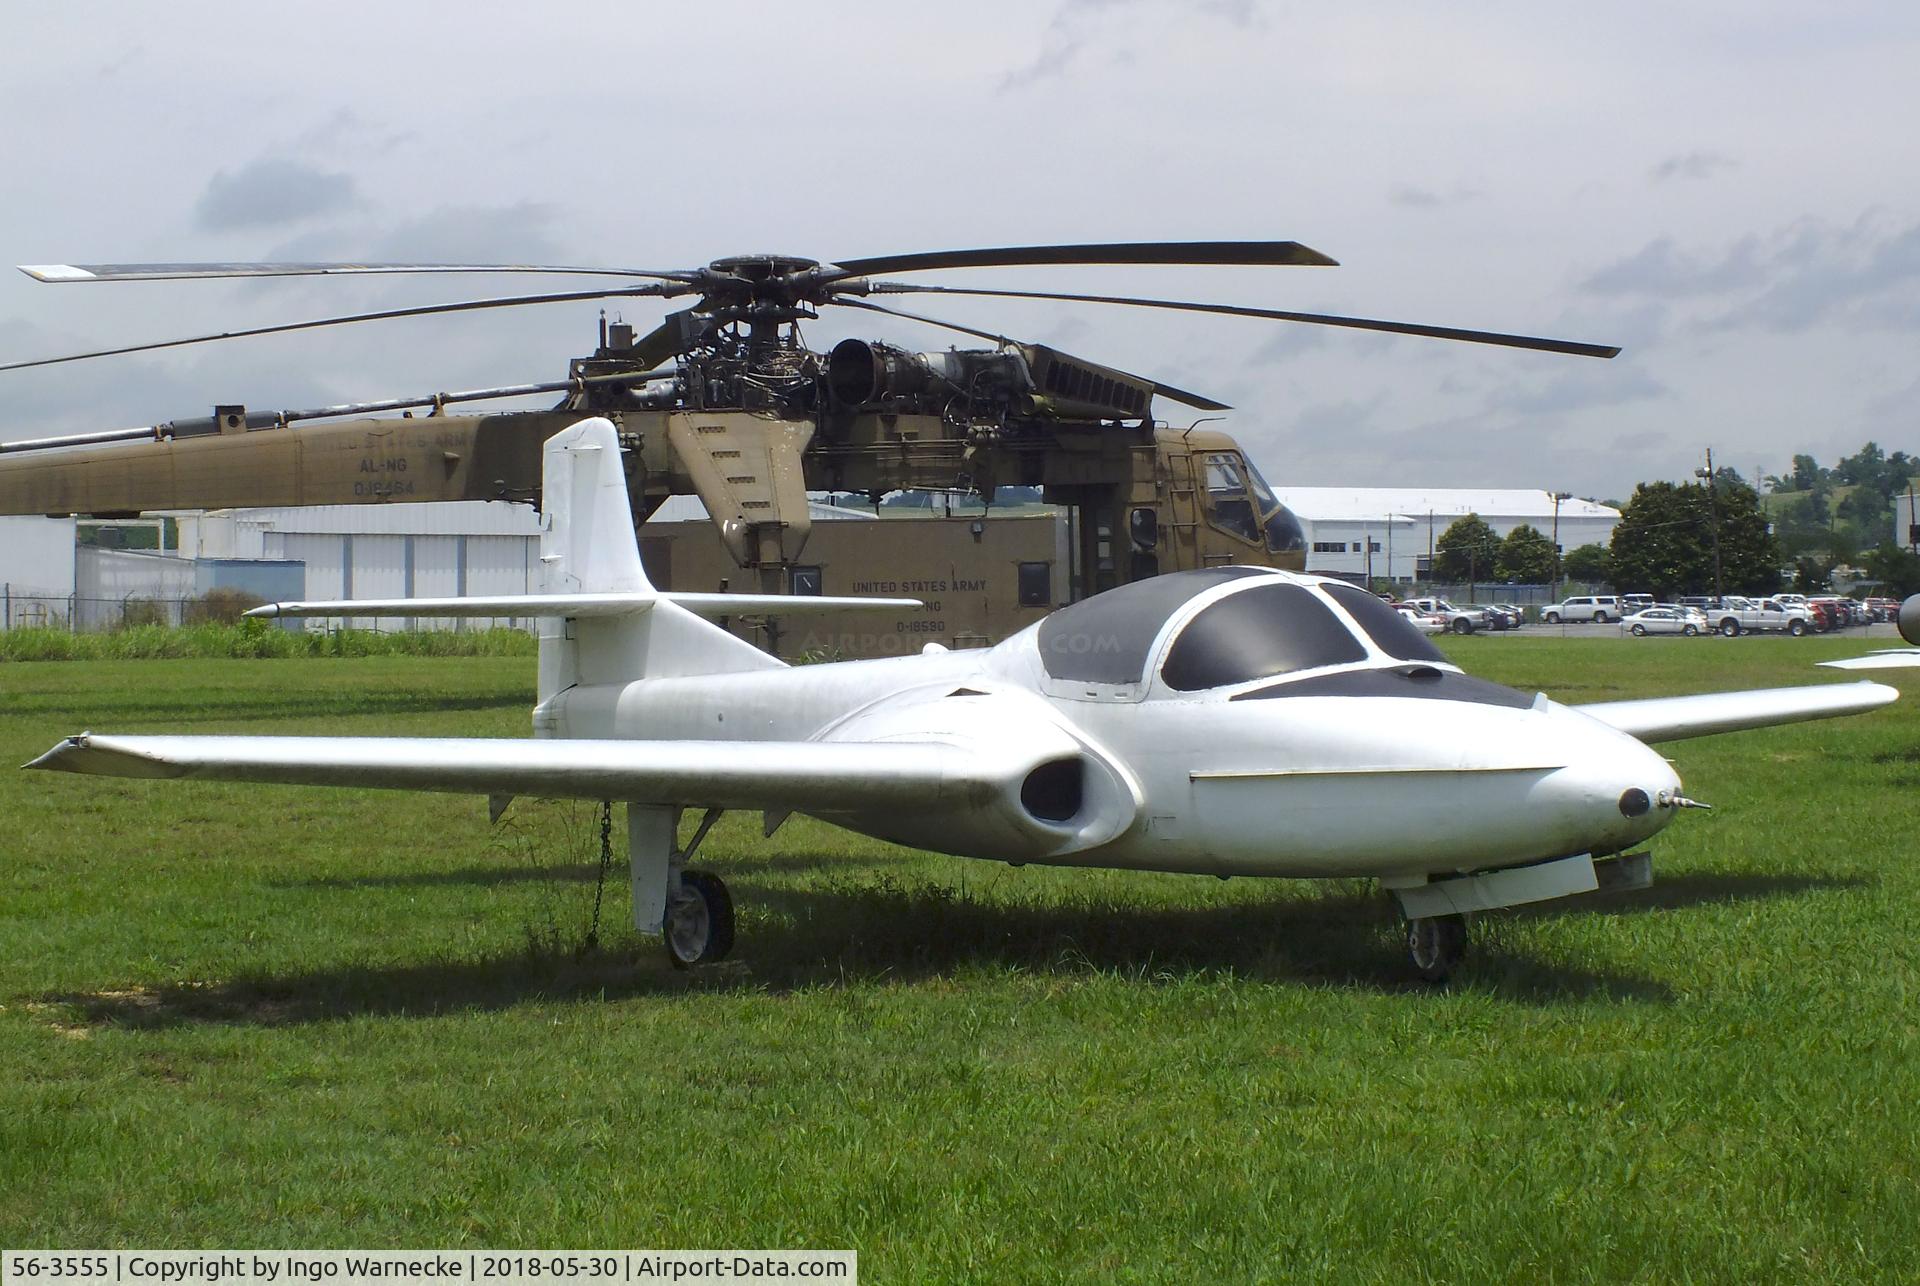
x: 690, y: 910
x: 1436, y: 944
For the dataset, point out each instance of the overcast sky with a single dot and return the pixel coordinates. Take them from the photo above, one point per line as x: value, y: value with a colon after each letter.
x: 1731, y: 191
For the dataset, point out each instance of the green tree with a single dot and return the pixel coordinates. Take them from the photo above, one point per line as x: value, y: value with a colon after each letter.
x: 1896, y: 567
x: 1590, y: 564
x: 1812, y: 575
x: 1466, y: 550
x: 1664, y: 543
x: 1526, y: 555
x: 1807, y: 474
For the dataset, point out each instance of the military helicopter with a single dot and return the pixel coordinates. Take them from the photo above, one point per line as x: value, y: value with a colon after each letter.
x: 724, y: 399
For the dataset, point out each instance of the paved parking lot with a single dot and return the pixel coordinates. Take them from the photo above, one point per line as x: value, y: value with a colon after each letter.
x: 1883, y: 633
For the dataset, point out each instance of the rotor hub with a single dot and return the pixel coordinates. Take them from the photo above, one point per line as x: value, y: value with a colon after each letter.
x: 762, y: 267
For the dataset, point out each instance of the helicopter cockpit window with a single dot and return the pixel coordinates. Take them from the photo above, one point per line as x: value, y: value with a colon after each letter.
x: 1256, y: 634
x: 1229, y: 503
x: 1282, y: 529
x: 1391, y: 632
x: 1107, y: 638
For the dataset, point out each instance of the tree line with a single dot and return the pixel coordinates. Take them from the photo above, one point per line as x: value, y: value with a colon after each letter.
x: 1719, y: 535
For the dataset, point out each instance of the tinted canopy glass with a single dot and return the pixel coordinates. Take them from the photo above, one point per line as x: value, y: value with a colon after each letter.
x: 1256, y: 634
x: 1391, y: 632
x: 1106, y: 638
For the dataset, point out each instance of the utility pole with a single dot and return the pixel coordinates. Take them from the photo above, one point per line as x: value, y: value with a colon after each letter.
x: 1429, y: 551
x: 1553, y: 589
x: 1713, y: 508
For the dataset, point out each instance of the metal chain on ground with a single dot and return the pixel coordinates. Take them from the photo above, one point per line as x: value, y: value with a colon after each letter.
x: 606, y: 864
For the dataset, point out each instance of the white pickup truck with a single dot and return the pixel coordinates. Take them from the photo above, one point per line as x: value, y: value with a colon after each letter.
x: 1460, y: 620
x: 1737, y: 615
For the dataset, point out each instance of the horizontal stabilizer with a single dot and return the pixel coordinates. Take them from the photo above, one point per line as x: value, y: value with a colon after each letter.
x: 1676, y: 718
x: 1904, y: 659
x: 580, y: 605
x: 805, y: 776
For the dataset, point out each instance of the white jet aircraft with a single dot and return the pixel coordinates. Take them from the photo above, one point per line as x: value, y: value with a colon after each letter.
x: 1228, y: 721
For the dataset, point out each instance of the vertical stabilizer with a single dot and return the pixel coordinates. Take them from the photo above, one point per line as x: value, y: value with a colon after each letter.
x: 588, y: 546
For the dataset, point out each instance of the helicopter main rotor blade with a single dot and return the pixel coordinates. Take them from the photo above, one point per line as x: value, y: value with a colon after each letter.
x: 1567, y: 346
x: 925, y: 320
x: 61, y: 273
x: 1162, y: 390
x: 1238, y: 253
x: 427, y: 310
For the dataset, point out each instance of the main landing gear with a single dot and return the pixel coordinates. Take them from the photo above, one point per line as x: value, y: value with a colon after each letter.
x: 690, y: 910
x: 1436, y: 944
x: 699, y: 927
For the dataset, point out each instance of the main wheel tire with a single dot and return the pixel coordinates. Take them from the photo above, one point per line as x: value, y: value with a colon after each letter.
x: 1463, y: 627
x: 1436, y: 944
x: 1553, y: 618
x: 699, y: 927
x: 1730, y: 628
x: 1796, y: 628
x: 1639, y: 630
x: 1691, y: 631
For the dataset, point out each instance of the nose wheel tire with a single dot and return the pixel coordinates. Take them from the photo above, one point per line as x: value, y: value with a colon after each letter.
x: 1436, y: 944
x: 699, y: 927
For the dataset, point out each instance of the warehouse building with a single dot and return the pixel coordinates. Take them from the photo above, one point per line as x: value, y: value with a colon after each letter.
x: 1387, y: 533
x: 36, y: 570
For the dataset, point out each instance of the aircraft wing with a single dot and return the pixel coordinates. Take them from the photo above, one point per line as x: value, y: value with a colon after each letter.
x: 1902, y: 659
x: 805, y: 776
x: 1676, y: 718
x: 579, y: 605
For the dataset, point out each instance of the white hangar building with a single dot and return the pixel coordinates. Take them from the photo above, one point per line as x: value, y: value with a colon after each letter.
x: 1387, y: 532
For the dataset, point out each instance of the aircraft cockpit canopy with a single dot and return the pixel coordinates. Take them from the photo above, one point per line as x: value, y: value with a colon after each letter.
x: 1275, y: 627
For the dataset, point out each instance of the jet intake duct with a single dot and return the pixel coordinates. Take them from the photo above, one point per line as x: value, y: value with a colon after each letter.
x: 1053, y: 792
x: 1910, y: 620
x: 860, y: 373
x: 1036, y: 792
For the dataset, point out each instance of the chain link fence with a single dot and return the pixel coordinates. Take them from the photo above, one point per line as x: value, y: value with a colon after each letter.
x: 81, y: 614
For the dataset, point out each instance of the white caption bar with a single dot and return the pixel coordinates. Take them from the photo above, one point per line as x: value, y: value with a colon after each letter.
x: 469, y: 1267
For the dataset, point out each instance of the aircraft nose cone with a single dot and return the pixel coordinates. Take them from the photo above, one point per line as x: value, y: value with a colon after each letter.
x: 1614, y: 795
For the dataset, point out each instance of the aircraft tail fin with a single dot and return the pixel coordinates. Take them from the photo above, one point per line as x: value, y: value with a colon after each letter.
x: 588, y: 547
x: 601, y: 620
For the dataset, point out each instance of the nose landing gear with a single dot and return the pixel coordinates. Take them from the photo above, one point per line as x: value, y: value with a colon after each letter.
x: 1436, y: 944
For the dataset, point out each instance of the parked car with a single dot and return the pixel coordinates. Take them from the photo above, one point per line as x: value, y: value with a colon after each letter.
x: 1586, y: 607
x: 1737, y: 615
x: 1883, y: 609
x: 1461, y: 620
x: 1636, y: 602
x: 1497, y: 617
x: 1664, y: 618
x: 1425, y: 622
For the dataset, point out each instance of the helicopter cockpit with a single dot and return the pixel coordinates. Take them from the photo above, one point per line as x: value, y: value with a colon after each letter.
x: 1253, y: 624
x: 1240, y: 502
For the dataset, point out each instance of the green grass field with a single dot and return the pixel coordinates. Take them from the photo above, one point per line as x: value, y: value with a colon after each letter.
x: 259, y: 1016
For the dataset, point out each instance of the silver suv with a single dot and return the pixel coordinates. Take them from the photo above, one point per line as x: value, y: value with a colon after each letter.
x: 1590, y: 607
